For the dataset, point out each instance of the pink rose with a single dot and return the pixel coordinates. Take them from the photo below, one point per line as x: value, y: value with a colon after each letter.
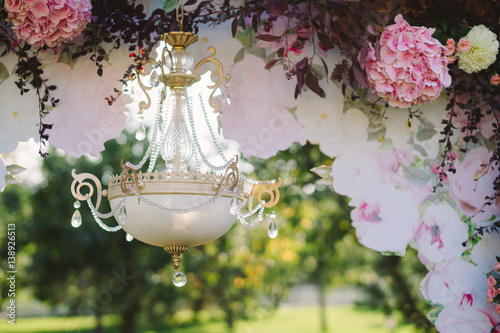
x: 495, y: 79
x: 497, y: 308
x: 472, y: 182
x: 450, y: 49
x: 463, y: 45
x: 450, y: 42
x: 491, y: 292
x: 496, y: 267
x: 491, y: 281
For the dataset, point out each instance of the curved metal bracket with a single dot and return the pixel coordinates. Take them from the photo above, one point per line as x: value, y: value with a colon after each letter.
x: 219, y: 72
x: 76, y: 189
x: 259, y: 190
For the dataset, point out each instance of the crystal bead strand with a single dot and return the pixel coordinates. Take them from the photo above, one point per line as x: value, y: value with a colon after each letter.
x: 210, y: 129
x: 220, y: 151
x: 99, y: 222
x: 178, y: 210
x: 197, y: 144
x: 158, y: 139
x: 259, y: 208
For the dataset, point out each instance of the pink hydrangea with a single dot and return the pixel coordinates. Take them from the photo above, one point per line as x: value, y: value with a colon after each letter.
x: 412, y: 67
x: 48, y: 22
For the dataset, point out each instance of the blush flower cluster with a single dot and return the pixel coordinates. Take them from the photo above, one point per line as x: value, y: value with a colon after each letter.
x: 48, y: 22
x: 412, y: 68
x: 493, y: 292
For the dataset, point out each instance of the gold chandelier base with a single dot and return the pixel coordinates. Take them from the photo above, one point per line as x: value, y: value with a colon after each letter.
x: 176, y: 251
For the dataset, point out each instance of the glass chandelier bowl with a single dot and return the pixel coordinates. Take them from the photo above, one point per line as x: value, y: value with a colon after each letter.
x: 177, y: 206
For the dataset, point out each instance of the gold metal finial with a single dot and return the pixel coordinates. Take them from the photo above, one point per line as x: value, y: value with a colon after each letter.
x: 176, y: 251
x: 179, y: 38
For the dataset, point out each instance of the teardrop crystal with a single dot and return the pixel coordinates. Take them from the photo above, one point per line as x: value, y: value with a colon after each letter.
x: 154, y: 79
x: 76, y: 219
x: 235, y: 206
x: 160, y: 124
x: 77, y: 204
x: 123, y: 215
x: 140, y: 134
x: 272, y: 232
x: 129, y: 237
x: 179, y: 279
x: 163, y: 94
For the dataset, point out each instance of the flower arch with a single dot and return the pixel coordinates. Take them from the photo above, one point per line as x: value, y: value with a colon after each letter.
x: 406, y: 104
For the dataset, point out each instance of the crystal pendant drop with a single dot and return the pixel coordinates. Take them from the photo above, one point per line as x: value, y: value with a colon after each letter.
x: 76, y: 219
x: 77, y: 204
x: 123, y: 215
x: 154, y: 79
x: 272, y: 232
x: 179, y: 279
x: 140, y: 134
x: 163, y: 94
x: 129, y: 237
x: 235, y: 206
x: 160, y: 124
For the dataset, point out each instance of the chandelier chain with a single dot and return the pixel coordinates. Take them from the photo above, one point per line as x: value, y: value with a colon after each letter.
x: 179, y: 210
x: 96, y: 216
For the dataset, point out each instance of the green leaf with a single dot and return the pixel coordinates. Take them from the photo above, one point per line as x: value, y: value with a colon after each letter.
x: 425, y: 131
x: 4, y: 73
x: 240, y: 55
x: 66, y: 57
x: 434, y: 313
x: 416, y: 175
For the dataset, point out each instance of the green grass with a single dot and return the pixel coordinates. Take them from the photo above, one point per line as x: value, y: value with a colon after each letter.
x: 341, y: 319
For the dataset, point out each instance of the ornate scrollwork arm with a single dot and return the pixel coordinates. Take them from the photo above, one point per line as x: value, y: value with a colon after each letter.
x: 142, y: 104
x: 125, y: 176
x: 259, y: 190
x: 219, y: 72
x: 76, y: 188
x: 231, y: 176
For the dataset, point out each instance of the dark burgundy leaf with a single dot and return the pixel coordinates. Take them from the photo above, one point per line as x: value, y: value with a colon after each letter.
x: 360, y: 77
x: 313, y: 84
x: 271, y: 63
x: 254, y: 22
x: 234, y: 26
x: 325, y: 41
x: 268, y: 38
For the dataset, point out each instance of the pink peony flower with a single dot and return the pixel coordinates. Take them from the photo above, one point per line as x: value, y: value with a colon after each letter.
x: 476, y: 320
x: 48, y: 22
x: 491, y: 281
x: 83, y: 120
x: 463, y: 45
x: 472, y: 182
x: 412, y: 68
x: 257, y: 117
x: 441, y: 234
x: 385, y: 220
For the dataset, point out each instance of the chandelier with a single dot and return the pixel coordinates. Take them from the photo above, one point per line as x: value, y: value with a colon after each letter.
x: 177, y: 206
